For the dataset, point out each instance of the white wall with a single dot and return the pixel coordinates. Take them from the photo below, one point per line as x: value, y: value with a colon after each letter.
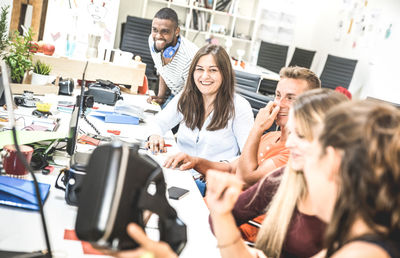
x: 316, y: 26
x: 127, y: 7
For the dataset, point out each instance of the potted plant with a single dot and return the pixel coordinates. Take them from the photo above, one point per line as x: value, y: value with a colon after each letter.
x: 41, y: 72
x: 3, y: 29
x: 15, y: 49
x: 19, y: 57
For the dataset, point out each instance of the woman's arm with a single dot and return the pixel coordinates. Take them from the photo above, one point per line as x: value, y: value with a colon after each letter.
x: 161, y: 123
x: 184, y: 161
x: 253, y: 201
x: 222, y: 192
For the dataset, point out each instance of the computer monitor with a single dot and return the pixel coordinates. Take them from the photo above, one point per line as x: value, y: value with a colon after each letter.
x: 76, y: 114
x: 73, y: 130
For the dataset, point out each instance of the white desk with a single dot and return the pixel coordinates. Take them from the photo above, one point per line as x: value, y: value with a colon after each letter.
x: 21, y: 230
x: 265, y: 73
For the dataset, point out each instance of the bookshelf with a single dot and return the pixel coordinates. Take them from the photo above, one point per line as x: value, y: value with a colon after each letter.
x: 232, y: 23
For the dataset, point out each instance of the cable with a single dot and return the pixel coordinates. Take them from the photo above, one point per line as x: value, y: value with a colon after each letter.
x: 20, y: 156
x: 91, y: 125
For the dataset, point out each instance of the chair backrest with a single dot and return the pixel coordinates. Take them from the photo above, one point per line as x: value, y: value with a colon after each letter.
x: 267, y: 87
x: 338, y: 71
x: 272, y: 56
x: 302, y: 57
x: 247, y: 81
x: 256, y: 100
x: 134, y: 39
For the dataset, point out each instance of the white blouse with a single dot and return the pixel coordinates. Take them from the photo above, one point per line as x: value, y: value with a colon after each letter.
x: 223, y: 144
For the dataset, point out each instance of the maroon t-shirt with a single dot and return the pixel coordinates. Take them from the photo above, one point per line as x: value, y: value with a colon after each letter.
x: 305, y: 234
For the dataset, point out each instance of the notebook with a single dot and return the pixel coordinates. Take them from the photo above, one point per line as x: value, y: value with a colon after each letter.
x: 21, y: 193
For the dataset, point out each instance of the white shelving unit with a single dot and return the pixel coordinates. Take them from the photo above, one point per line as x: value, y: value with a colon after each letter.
x: 234, y: 28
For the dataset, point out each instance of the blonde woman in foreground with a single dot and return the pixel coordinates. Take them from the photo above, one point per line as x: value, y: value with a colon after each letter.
x: 290, y: 228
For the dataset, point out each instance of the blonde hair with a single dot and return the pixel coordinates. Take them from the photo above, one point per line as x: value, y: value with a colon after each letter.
x: 301, y: 73
x: 308, y: 109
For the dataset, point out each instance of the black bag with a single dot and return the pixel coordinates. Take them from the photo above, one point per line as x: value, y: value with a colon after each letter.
x: 120, y: 185
x: 104, y: 92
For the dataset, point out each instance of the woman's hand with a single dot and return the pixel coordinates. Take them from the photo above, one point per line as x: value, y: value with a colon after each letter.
x: 148, y: 248
x: 181, y: 160
x: 266, y: 116
x: 223, y: 190
x: 156, y: 144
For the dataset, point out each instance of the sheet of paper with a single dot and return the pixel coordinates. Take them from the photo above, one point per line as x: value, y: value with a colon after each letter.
x: 25, y: 137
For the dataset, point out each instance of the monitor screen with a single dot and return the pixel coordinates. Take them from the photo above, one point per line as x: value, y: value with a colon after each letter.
x: 73, y: 130
x: 76, y: 114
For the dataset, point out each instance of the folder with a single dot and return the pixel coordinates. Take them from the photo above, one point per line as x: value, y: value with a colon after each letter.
x: 21, y: 193
x: 111, y: 117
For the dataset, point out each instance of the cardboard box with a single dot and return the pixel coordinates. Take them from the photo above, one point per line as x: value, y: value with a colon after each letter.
x: 18, y: 88
x: 73, y: 68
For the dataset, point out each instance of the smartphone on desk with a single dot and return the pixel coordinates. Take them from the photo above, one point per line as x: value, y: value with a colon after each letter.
x: 177, y: 193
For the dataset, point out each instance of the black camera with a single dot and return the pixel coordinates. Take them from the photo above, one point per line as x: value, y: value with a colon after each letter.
x: 66, y: 86
x: 26, y: 100
x: 104, y: 92
x: 88, y: 101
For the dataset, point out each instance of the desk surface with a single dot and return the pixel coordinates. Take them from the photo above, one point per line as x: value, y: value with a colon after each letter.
x: 265, y: 73
x: 21, y: 230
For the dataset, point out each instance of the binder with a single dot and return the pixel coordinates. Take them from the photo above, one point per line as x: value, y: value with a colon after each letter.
x: 21, y: 193
x: 112, y: 117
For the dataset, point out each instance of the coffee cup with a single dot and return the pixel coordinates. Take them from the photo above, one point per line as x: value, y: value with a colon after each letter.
x: 71, y: 183
x: 11, y: 163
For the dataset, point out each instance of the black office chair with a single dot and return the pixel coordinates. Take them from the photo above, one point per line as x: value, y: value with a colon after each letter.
x: 247, y: 81
x: 267, y: 87
x: 302, y: 57
x: 135, y: 33
x: 338, y: 71
x: 272, y: 56
x: 256, y: 100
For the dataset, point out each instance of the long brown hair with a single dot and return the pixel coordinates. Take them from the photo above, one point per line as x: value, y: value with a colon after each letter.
x: 368, y: 133
x: 191, y: 102
x: 309, y: 110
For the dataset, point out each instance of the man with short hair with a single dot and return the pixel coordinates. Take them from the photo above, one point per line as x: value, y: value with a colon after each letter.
x: 171, y: 53
x: 263, y: 153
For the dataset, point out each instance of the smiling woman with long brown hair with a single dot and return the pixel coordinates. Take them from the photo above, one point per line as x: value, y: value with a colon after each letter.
x: 214, y: 122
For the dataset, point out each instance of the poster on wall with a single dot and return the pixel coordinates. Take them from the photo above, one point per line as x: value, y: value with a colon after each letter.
x: 81, y: 28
